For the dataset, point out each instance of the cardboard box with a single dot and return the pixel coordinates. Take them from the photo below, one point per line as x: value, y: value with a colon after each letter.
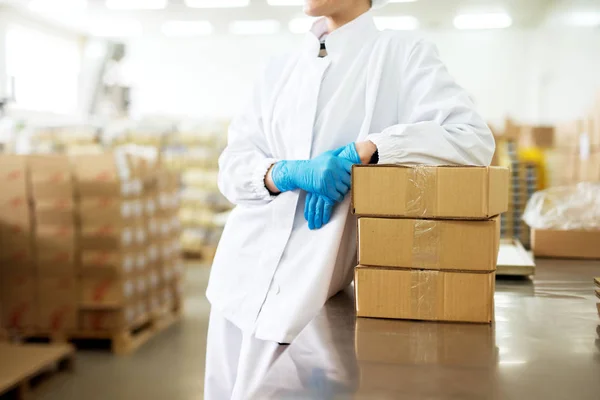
x: 589, y: 168
x: 48, y: 163
x: 566, y: 134
x: 107, y: 320
x: 105, y: 175
x: 58, y: 303
x: 422, y: 343
x: 15, y: 211
x: 429, y: 244
x: 17, y: 252
x: 55, y: 244
x: 536, y: 136
x: 111, y: 263
x: 18, y: 298
x: 565, y: 244
x: 430, y: 192
x: 52, y: 185
x: 424, y: 295
x: 13, y: 177
x: 94, y: 211
x: 106, y: 237
x: 59, y: 211
x: 106, y: 292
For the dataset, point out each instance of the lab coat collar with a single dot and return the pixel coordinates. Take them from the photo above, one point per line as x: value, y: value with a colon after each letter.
x: 349, y: 38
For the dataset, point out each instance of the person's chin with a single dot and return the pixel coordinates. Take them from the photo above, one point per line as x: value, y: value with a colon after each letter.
x: 312, y: 12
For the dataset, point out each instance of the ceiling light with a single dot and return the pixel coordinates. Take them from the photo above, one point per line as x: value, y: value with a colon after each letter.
x: 401, y: 23
x: 254, y: 27
x: 117, y: 29
x: 216, y: 3
x: 187, y: 28
x: 56, y: 5
x: 583, y: 18
x: 301, y: 25
x: 136, y: 4
x: 483, y: 21
x: 301, y: 2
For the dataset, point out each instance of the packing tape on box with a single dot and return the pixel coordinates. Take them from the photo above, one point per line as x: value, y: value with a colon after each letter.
x: 423, y: 294
x: 421, y: 195
x: 426, y: 244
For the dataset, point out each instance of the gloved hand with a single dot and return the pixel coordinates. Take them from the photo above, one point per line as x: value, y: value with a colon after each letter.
x: 318, y: 208
x: 327, y: 175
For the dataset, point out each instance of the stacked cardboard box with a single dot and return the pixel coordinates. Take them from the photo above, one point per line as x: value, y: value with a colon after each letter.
x: 88, y: 243
x: 17, y: 256
x: 112, y: 243
x: 428, y: 241
x: 55, y: 242
x: 169, y: 267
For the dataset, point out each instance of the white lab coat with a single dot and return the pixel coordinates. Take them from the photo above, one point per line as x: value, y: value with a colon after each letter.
x: 271, y: 274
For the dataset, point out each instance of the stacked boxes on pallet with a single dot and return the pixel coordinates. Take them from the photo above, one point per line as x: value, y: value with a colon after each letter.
x: 88, y: 243
x: 169, y: 266
x: 111, y: 243
x: 55, y: 242
x: 428, y: 241
x: 18, y: 303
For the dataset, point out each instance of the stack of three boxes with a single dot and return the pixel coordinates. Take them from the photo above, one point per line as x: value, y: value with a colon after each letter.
x: 428, y: 241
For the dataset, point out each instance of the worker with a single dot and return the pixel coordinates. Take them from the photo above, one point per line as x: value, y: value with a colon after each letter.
x: 351, y: 94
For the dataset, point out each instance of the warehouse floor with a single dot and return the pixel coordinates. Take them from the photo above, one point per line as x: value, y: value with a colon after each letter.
x: 545, y: 344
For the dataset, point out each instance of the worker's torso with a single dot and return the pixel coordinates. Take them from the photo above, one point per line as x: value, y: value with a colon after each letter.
x: 271, y: 273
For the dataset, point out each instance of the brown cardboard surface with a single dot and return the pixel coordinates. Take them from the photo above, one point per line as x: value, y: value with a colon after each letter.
x: 13, y: 177
x: 15, y: 211
x: 59, y: 211
x: 105, y: 210
x: 597, y: 281
x: 102, y: 292
x: 430, y: 192
x: 422, y: 343
x: 589, y: 168
x: 104, y: 175
x: 48, y: 163
x: 424, y: 295
x: 429, y: 244
x: 55, y: 244
x: 536, y: 136
x: 566, y: 134
x: 51, y: 184
x: 106, y: 237
x: 94, y: 262
x: 107, y: 320
x: 18, y: 298
x: 16, y: 251
x: 565, y: 244
x: 58, y: 303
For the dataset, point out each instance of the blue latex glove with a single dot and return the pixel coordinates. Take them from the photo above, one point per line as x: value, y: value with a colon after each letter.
x: 318, y: 208
x: 327, y: 175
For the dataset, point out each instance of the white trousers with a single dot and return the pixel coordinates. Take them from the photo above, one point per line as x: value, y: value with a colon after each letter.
x: 236, y: 362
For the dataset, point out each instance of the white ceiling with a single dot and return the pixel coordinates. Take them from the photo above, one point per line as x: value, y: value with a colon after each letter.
x: 432, y: 14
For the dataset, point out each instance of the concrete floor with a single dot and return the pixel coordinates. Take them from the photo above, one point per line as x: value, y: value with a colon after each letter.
x: 545, y: 344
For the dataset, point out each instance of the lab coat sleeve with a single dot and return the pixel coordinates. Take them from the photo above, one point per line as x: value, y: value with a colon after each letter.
x: 441, y: 124
x: 246, y: 159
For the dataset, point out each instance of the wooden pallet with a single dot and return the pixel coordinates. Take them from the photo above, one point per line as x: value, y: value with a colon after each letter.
x: 22, y: 364
x: 514, y: 260
x: 123, y: 342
